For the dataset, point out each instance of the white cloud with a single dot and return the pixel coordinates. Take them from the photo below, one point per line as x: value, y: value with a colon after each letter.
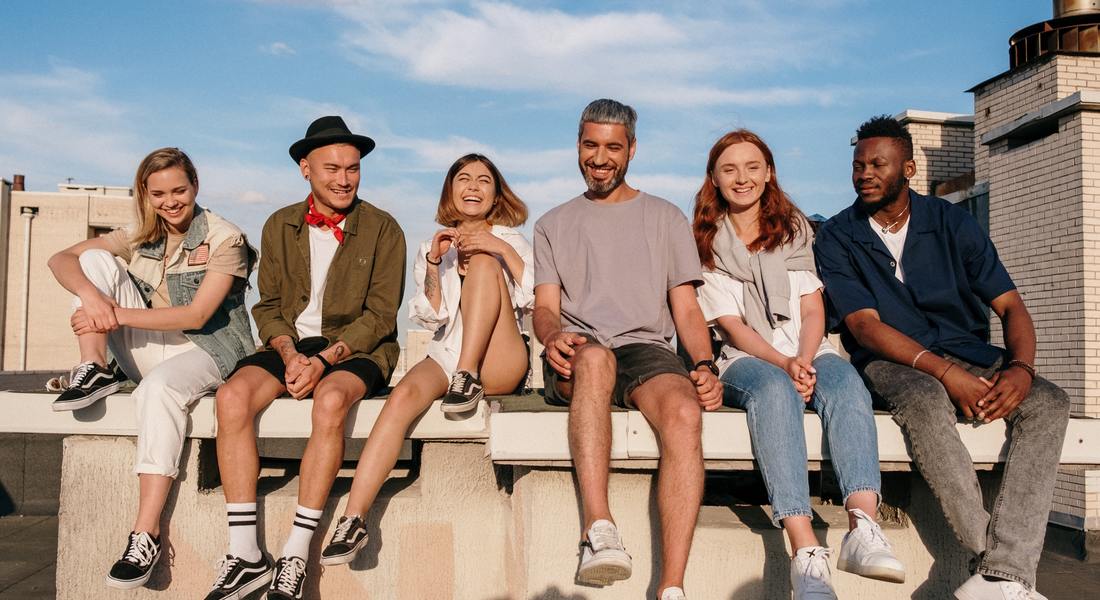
x: 646, y: 57
x: 278, y: 49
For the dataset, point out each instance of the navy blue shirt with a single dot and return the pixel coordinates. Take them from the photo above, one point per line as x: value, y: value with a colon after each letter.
x: 951, y: 270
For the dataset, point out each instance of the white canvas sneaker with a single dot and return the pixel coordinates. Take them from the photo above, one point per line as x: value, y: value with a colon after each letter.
x: 673, y: 593
x: 866, y: 552
x: 603, y: 558
x: 811, y: 578
x: 979, y: 588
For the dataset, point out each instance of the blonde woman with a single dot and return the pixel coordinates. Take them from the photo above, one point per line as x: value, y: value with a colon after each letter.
x: 167, y: 299
x: 474, y: 282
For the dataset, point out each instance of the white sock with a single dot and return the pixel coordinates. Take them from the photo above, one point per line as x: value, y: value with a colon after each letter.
x: 242, y: 531
x: 305, y: 522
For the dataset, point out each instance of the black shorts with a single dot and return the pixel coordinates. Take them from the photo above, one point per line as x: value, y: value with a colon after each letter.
x: 270, y: 361
x: 635, y: 364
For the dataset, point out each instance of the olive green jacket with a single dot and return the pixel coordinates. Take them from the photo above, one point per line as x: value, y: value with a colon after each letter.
x: 363, y: 289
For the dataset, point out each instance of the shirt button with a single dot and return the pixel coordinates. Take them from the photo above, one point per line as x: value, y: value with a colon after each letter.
x: 306, y: 298
x: 893, y: 264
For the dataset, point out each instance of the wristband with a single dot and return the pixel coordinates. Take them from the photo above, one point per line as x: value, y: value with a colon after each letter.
x: 1023, y: 365
x: 427, y: 257
x: 917, y: 357
x: 326, y: 364
x: 945, y: 372
x: 708, y: 364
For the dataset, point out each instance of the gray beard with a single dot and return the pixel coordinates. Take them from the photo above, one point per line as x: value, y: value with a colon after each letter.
x: 603, y: 187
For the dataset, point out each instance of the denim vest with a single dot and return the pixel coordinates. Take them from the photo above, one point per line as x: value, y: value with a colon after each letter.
x: 226, y: 336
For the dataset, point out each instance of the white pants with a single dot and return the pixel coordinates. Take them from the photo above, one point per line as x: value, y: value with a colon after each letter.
x: 170, y: 370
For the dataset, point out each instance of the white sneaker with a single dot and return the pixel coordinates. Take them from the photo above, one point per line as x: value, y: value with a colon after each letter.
x: 673, y: 593
x: 811, y: 578
x: 866, y: 552
x: 603, y: 558
x: 979, y: 588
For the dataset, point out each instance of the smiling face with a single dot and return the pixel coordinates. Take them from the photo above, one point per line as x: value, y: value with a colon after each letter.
x: 740, y: 175
x: 473, y: 191
x: 603, y: 154
x: 880, y: 172
x: 172, y: 196
x: 333, y: 174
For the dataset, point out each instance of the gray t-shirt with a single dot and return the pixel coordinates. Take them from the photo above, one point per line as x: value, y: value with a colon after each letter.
x: 615, y: 264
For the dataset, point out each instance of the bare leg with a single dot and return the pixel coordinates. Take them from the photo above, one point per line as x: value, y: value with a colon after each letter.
x: 239, y: 400
x: 669, y: 403
x: 800, y: 532
x: 93, y: 347
x: 504, y: 362
x: 485, y: 304
x: 413, y: 395
x: 590, y: 427
x: 332, y: 399
x: 867, y: 501
x: 153, y: 493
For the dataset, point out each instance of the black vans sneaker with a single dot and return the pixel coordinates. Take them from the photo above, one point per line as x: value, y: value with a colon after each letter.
x: 137, y: 562
x: 289, y: 580
x: 87, y: 383
x: 464, y: 394
x: 238, y: 578
x: 349, y: 537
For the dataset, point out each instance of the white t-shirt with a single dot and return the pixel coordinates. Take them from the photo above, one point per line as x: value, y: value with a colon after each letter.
x: 895, y: 243
x: 322, y: 249
x: 721, y: 295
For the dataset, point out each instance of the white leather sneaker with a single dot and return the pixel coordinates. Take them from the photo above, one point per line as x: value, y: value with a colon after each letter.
x: 866, y: 552
x: 603, y: 558
x: 979, y: 588
x: 811, y: 578
x: 673, y: 593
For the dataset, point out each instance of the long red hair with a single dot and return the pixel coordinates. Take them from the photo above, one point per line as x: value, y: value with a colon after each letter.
x: 780, y: 220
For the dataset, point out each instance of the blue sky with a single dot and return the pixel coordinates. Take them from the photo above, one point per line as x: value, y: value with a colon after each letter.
x: 90, y: 87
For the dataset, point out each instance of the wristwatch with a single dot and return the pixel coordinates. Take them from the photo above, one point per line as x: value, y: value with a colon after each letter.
x: 708, y: 363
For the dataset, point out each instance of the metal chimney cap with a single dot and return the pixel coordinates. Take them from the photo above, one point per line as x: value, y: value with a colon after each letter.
x: 1069, y: 8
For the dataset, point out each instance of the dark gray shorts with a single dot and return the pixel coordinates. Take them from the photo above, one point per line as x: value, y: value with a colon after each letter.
x: 636, y: 364
x: 270, y: 361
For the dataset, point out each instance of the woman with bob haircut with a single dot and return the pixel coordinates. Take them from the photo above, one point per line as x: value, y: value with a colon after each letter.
x: 762, y: 294
x: 167, y: 299
x: 474, y: 283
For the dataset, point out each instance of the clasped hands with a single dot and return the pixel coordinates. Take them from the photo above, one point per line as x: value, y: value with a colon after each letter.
x: 96, y: 314
x: 987, y: 400
x: 302, y: 374
x: 467, y: 243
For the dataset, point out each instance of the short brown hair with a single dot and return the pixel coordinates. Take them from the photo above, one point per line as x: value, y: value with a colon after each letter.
x: 150, y: 226
x: 508, y: 209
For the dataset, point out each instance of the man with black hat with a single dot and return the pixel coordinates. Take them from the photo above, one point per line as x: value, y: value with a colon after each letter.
x: 331, y: 277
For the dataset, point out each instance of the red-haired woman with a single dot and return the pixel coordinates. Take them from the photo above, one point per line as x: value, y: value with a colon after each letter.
x: 762, y: 294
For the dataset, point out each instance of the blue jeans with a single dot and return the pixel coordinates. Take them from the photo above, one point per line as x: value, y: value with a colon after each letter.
x: 775, y: 412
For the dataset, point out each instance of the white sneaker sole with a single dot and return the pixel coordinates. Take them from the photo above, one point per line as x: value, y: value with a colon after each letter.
x: 260, y: 582
x: 604, y: 571
x: 872, y: 572
x: 347, y: 557
x: 461, y: 408
x: 88, y: 400
x: 129, y: 584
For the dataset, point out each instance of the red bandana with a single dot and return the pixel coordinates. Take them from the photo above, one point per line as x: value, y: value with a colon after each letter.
x: 333, y: 223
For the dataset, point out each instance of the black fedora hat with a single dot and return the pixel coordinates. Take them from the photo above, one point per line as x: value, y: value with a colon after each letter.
x: 325, y: 131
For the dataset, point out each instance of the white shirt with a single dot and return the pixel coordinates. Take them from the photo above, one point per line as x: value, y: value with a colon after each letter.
x: 446, y: 322
x: 322, y: 249
x: 895, y: 243
x: 721, y: 295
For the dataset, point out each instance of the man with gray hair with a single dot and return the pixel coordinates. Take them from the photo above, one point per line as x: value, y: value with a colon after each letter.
x: 615, y: 277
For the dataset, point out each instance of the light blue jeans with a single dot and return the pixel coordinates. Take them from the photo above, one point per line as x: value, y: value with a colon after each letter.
x: 775, y: 412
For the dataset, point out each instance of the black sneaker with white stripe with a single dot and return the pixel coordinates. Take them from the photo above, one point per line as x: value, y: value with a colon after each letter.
x: 349, y: 537
x: 464, y: 394
x: 289, y: 580
x: 87, y: 383
x: 137, y: 562
x: 238, y: 578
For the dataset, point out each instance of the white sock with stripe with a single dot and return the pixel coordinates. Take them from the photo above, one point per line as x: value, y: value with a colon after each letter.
x: 242, y: 531
x: 305, y: 522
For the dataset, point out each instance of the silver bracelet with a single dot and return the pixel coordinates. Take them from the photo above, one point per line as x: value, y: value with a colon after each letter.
x: 916, y: 358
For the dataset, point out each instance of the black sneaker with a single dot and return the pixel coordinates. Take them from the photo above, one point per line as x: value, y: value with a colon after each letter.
x: 289, y: 580
x: 464, y: 394
x: 87, y: 383
x: 136, y: 565
x: 237, y: 578
x: 349, y: 537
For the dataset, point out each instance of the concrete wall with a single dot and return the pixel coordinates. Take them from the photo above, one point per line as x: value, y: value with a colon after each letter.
x: 63, y: 219
x: 459, y: 528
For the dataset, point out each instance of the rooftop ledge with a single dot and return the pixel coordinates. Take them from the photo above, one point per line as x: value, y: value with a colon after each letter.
x: 522, y: 430
x: 1036, y: 124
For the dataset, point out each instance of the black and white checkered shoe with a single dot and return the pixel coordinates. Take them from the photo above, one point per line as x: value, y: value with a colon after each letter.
x: 349, y: 537
x: 87, y: 383
x: 137, y: 562
x: 464, y: 394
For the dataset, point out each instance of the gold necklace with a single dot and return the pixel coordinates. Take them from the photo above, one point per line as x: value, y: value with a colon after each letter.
x: 887, y: 227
